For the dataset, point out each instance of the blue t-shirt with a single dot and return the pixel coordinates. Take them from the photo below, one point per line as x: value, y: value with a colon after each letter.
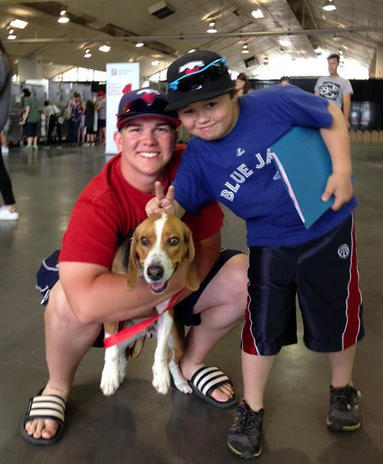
x: 238, y: 170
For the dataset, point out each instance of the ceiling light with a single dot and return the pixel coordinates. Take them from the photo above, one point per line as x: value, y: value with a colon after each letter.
x: 257, y: 14
x: 336, y: 37
x: 87, y: 53
x: 212, y: 29
x: 63, y: 11
x: 245, y: 49
x: 11, y: 31
x: 11, y: 37
x: 63, y: 19
x: 104, y: 48
x: 155, y: 63
x: 192, y: 50
x: 284, y: 42
x: 266, y: 61
x: 19, y: 24
x: 139, y: 44
x: 329, y: 5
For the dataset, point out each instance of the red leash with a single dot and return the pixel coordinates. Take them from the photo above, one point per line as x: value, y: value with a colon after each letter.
x: 133, y: 330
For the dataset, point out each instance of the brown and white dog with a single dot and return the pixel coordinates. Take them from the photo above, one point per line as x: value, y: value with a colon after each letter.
x: 161, y: 246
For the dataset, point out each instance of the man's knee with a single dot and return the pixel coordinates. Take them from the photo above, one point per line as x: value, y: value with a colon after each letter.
x: 58, y: 304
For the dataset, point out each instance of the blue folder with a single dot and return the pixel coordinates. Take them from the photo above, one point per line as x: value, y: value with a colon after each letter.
x: 304, y: 164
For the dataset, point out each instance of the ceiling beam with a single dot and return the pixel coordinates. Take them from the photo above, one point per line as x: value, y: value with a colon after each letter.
x: 228, y: 35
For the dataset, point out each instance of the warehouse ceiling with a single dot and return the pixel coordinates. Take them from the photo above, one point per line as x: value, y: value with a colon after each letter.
x: 295, y: 28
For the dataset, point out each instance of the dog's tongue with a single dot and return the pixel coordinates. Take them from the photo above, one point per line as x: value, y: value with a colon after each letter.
x: 157, y: 287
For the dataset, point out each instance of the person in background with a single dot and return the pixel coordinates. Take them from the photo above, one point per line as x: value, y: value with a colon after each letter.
x: 89, y: 114
x: 242, y: 84
x: 52, y: 113
x: 76, y: 110
x: 101, y: 110
x: 4, y: 138
x: 335, y: 88
x: 29, y: 119
x: 8, y: 211
x: 285, y: 80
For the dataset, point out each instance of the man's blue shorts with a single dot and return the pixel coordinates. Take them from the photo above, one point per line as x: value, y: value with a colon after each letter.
x: 48, y: 275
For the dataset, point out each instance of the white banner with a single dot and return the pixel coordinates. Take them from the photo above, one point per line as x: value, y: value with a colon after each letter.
x: 118, y: 76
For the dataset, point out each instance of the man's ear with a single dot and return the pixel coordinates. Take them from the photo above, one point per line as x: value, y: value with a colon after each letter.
x: 118, y: 140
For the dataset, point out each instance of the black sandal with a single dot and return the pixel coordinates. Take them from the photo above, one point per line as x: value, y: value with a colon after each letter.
x: 44, y: 407
x: 208, y: 379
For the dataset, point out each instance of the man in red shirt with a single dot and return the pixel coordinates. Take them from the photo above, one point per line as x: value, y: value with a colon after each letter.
x: 86, y: 294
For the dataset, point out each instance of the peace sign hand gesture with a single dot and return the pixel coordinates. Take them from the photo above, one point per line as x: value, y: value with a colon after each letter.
x: 161, y: 203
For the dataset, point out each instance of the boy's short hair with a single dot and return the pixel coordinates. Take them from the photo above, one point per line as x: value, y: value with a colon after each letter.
x: 334, y: 55
x: 26, y: 93
x: 197, y: 76
x: 143, y: 103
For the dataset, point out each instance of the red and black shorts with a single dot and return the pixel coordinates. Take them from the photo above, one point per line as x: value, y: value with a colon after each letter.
x: 324, y: 275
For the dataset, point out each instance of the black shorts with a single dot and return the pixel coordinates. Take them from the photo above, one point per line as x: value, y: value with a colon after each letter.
x: 101, y: 123
x: 324, y: 274
x: 48, y: 275
x: 30, y: 129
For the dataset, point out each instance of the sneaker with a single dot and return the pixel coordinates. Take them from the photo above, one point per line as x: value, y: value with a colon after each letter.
x: 5, y: 150
x: 344, y: 414
x: 6, y: 215
x: 245, y: 435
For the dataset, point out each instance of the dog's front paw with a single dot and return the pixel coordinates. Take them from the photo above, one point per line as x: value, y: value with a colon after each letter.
x: 110, y: 379
x: 161, y: 378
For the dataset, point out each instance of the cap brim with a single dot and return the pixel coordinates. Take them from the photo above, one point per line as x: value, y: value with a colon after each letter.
x: 125, y: 121
x: 193, y: 97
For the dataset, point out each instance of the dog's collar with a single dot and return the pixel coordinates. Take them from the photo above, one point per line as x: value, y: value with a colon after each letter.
x: 133, y: 330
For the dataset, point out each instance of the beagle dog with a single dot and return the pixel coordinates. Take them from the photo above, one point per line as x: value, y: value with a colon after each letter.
x: 161, y: 246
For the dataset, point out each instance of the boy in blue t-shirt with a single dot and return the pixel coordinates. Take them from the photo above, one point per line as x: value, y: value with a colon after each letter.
x: 230, y: 160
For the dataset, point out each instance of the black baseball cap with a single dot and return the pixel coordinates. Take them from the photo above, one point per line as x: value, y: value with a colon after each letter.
x: 197, y: 76
x: 144, y: 102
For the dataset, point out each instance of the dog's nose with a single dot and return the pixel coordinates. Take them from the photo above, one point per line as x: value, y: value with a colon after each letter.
x: 155, y: 272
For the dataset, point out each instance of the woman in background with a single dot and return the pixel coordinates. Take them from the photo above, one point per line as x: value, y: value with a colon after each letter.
x: 8, y: 211
x: 242, y: 84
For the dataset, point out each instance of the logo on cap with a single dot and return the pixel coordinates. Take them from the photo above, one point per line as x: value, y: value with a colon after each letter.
x: 148, y: 96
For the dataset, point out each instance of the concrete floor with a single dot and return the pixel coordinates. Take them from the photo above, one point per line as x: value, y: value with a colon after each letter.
x: 137, y: 425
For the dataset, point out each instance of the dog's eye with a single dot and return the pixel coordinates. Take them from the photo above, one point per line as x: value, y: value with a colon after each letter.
x: 173, y: 241
x: 144, y: 241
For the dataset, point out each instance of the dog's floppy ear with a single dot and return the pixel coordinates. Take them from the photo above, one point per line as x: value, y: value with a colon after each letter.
x: 192, y: 282
x: 132, y: 273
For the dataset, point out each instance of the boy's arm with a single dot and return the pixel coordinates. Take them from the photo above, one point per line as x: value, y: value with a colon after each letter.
x: 162, y: 203
x: 337, y: 141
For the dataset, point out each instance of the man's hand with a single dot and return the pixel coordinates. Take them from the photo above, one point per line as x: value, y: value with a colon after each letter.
x: 161, y: 203
x: 340, y: 186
